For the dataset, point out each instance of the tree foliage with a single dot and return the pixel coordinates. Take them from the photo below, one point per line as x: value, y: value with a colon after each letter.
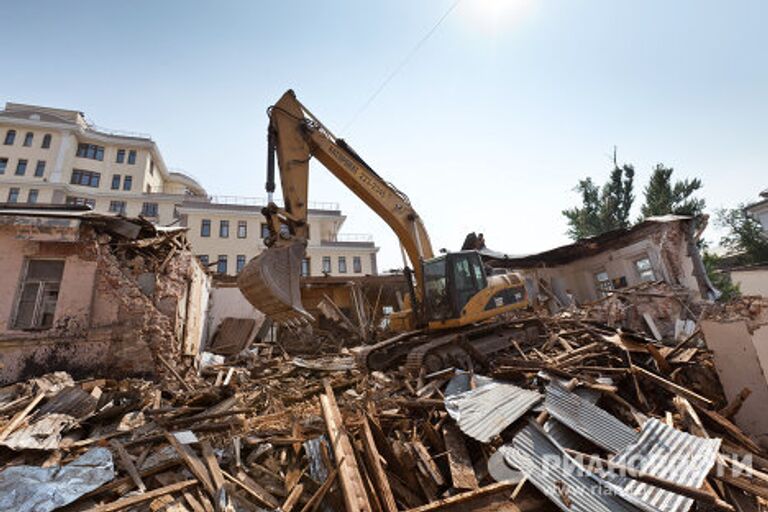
x: 744, y: 236
x: 662, y: 197
x: 602, y: 208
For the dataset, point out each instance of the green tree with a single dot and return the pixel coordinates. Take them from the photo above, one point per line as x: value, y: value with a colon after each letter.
x: 602, y: 208
x: 662, y: 197
x: 744, y: 237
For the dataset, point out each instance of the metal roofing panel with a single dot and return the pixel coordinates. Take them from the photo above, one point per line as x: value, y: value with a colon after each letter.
x: 558, y: 476
x: 587, y: 419
x: 668, y: 453
x: 485, y: 411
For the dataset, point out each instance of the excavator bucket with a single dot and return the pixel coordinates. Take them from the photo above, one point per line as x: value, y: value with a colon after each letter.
x: 270, y: 282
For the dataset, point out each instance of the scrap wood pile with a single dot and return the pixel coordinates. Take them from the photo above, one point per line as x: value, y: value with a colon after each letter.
x: 590, y: 416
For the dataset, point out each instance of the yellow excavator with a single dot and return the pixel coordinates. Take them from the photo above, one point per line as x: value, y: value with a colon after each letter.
x: 445, y: 292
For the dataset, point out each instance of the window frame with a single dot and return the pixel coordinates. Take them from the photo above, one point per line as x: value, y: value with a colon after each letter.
x: 306, y: 267
x: 21, y: 167
x: 90, y: 151
x: 205, y: 228
x: 115, y: 185
x: 92, y: 178
x: 242, y: 229
x: 150, y: 209
x: 239, y: 263
x: 10, y: 138
x: 131, y: 157
x: 640, y: 272
x: 341, y: 263
x: 120, y: 156
x: 127, y: 182
x: 13, y: 195
x: 29, y: 138
x: 224, y: 228
x: 3, y: 165
x: 603, y: 288
x: 327, y: 265
x: 40, y: 169
x: 204, y: 260
x: 29, y: 195
x: 222, y: 262
x: 46, y: 144
x: 119, y: 211
x: 39, y: 302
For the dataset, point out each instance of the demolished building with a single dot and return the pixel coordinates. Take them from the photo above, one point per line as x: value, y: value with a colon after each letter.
x: 95, y: 294
x: 657, y: 249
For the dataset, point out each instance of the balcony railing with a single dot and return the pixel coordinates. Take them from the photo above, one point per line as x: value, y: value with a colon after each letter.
x: 262, y: 201
x: 351, y: 237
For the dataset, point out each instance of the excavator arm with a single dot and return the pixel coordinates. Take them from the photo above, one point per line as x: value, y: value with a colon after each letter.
x: 271, y: 280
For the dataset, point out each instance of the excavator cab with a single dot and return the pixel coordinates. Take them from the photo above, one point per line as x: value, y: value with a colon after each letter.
x: 450, y: 281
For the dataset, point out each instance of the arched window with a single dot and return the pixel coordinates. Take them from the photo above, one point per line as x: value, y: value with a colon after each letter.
x: 46, y: 141
x: 10, y: 136
x: 28, y: 139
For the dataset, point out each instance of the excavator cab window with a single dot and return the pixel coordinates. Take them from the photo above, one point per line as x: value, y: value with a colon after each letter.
x: 437, y: 298
x: 450, y: 282
x: 468, y: 278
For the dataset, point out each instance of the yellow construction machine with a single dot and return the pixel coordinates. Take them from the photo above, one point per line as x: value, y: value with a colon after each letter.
x: 445, y: 292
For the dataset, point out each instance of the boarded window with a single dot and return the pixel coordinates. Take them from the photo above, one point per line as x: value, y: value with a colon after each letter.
x: 603, y: 283
x: 39, y: 292
x: 645, y: 269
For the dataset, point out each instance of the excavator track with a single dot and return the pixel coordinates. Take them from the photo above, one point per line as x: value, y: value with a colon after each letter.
x: 460, y: 347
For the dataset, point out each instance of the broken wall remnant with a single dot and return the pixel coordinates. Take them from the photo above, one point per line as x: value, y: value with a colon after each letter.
x: 95, y: 294
x: 657, y: 249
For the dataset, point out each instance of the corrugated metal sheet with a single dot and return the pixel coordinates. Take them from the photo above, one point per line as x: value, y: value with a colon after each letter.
x: 667, y: 453
x: 485, y: 411
x: 558, y: 476
x: 588, y: 420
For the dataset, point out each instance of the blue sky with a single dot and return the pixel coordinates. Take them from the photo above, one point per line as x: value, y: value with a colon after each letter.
x: 487, y: 127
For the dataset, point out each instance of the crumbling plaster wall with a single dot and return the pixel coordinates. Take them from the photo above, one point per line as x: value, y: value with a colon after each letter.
x: 667, y: 250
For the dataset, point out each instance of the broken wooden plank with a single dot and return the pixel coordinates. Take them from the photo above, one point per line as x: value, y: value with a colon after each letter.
x: 246, y: 483
x: 352, y: 485
x: 464, y: 500
x: 193, y: 463
x: 20, y: 416
x: 128, y: 465
x: 141, y: 498
x: 213, y: 465
x: 673, y: 387
x: 460, y: 464
x: 379, y: 477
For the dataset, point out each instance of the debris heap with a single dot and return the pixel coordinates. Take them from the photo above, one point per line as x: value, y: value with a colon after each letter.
x: 613, y: 406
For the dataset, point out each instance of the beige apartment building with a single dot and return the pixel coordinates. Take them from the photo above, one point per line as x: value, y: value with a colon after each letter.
x: 56, y: 156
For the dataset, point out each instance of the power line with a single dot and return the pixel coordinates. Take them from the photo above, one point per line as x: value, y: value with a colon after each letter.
x: 402, y: 64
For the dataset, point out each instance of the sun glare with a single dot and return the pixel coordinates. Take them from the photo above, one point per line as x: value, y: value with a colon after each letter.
x: 497, y: 15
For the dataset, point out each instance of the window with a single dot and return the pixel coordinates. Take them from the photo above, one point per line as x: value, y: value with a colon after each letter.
x: 224, y: 229
x: 81, y: 201
x: 32, y: 195
x: 38, y: 294
x: 203, y: 259
x: 151, y: 168
x: 10, y: 137
x: 132, y: 157
x: 149, y: 209
x: 342, y: 264
x: 46, y: 141
x: 40, y: 168
x: 221, y: 264
x: 28, y: 139
x: 326, y: 264
x: 603, y: 283
x: 242, y: 229
x: 115, y: 182
x: 149, y: 188
x: 357, y: 265
x: 3, y: 165
x: 85, y: 178
x: 240, y: 262
x: 120, y: 156
x: 205, y: 228
x: 117, y: 207
x: 305, y: 266
x: 21, y: 167
x: 13, y: 195
x: 127, y: 182
x: 645, y: 269
x: 264, y: 230
x: 91, y: 151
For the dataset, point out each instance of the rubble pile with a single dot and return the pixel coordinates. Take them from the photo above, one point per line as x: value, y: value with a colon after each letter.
x: 600, y: 411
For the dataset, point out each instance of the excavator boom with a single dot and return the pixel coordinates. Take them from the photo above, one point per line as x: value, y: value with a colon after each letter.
x: 271, y: 280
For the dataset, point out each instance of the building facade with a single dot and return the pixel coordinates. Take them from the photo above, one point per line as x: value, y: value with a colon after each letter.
x: 759, y: 210
x: 56, y: 156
